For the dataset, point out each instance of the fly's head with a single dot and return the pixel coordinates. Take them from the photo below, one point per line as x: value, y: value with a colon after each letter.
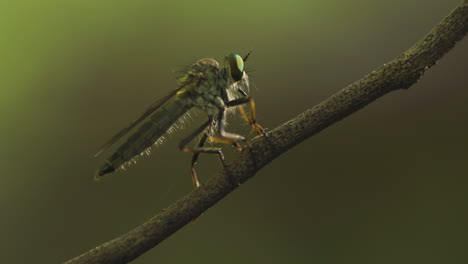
x: 234, y: 70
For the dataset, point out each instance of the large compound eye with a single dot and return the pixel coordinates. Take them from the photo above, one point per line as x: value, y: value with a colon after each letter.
x: 236, y: 64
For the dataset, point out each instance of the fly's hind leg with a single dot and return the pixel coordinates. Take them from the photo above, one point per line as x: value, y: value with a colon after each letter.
x: 196, y: 152
x: 200, y: 149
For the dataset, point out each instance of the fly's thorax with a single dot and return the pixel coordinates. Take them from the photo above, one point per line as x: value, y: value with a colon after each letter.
x: 204, y: 70
x: 204, y: 65
x: 204, y: 78
x: 208, y: 99
x: 207, y: 82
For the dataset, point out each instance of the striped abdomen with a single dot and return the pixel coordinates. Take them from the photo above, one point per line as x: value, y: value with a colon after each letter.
x: 147, y: 134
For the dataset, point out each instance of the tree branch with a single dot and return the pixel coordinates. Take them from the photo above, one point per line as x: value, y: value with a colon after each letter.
x: 399, y: 73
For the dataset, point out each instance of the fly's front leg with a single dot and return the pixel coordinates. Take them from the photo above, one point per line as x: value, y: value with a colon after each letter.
x: 258, y: 129
x: 200, y: 149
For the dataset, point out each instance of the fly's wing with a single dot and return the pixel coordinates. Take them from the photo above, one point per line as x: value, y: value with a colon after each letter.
x: 145, y: 114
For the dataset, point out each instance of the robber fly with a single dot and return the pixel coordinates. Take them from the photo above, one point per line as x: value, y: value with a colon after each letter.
x: 204, y: 85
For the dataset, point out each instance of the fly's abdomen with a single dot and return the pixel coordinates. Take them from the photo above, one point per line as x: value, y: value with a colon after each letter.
x: 147, y: 134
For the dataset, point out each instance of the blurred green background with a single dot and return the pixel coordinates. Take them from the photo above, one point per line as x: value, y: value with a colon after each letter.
x: 386, y: 185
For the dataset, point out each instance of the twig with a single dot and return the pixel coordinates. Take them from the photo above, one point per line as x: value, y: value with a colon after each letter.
x: 399, y: 73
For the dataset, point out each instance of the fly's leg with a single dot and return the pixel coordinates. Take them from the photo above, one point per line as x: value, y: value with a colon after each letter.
x: 200, y: 149
x: 225, y: 141
x: 195, y: 159
x: 227, y: 137
x: 252, y: 122
x: 258, y: 129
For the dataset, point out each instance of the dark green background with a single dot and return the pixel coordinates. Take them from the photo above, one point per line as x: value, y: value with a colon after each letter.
x: 386, y: 185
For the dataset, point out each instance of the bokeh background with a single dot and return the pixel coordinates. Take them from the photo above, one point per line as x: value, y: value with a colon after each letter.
x: 386, y: 185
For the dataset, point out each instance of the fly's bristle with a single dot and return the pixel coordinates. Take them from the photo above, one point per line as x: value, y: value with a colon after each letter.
x: 160, y: 141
